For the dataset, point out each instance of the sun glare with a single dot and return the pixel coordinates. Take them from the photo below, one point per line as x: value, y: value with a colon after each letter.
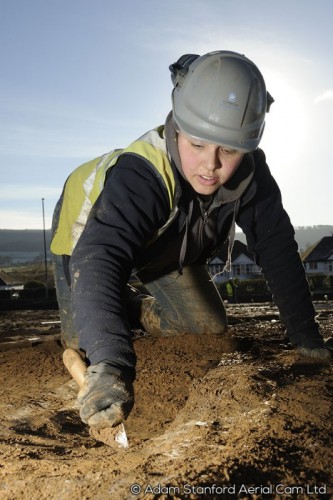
x: 286, y: 123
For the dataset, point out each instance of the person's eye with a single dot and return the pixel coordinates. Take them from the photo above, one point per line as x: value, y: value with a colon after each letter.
x: 227, y: 151
x: 230, y: 152
x: 197, y: 146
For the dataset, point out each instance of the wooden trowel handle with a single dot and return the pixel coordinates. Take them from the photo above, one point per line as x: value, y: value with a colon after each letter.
x: 77, y: 368
x: 75, y: 365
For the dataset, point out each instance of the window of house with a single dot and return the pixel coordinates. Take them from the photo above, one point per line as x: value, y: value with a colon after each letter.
x: 236, y: 269
x: 216, y: 268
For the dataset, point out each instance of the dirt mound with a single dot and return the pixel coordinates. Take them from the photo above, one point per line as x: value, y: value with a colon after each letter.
x: 235, y: 417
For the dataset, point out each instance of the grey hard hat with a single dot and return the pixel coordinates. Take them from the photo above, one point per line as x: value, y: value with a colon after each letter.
x: 221, y: 98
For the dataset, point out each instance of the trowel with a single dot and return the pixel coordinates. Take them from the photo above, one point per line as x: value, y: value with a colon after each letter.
x: 112, y: 436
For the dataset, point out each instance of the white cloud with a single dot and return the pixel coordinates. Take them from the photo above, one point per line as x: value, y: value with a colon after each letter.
x: 23, y: 220
x: 21, y: 192
x: 327, y: 95
x: 21, y: 206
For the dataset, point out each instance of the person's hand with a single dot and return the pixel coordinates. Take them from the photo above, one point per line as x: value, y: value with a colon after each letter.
x: 105, y: 399
x: 324, y: 353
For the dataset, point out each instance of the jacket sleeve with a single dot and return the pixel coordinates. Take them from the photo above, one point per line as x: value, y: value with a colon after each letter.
x: 270, y: 235
x: 132, y: 205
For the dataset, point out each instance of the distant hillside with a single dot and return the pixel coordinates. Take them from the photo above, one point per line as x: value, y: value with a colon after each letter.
x: 23, y: 240
x: 32, y: 240
x: 305, y: 236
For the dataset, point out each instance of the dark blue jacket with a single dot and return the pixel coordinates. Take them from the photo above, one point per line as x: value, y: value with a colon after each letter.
x: 117, y: 240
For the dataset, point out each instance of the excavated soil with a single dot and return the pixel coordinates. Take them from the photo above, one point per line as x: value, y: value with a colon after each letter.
x: 235, y: 417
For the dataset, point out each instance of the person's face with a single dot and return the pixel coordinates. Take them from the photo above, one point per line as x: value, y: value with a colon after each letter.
x: 206, y: 166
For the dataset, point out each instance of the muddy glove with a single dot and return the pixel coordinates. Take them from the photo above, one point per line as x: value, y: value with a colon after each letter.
x: 106, y: 400
x: 324, y: 353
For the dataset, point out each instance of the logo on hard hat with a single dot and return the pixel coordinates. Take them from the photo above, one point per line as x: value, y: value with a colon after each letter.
x: 231, y: 101
x: 232, y: 97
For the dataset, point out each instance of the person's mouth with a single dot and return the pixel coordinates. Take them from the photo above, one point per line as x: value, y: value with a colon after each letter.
x: 208, y: 180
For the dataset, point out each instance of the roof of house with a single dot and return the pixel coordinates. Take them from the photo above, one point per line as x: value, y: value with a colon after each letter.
x: 8, y: 280
x: 238, y: 249
x: 320, y: 251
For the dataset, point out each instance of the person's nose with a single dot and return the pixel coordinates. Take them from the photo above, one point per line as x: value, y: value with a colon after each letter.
x: 213, y: 160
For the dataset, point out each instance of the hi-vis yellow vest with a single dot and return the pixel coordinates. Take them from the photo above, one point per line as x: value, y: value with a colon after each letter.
x: 84, y: 185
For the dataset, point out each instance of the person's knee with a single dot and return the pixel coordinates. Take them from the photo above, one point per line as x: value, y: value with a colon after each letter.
x: 147, y: 310
x: 157, y: 322
x: 209, y: 324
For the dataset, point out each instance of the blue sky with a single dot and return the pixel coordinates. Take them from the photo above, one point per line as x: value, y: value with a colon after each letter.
x: 81, y: 77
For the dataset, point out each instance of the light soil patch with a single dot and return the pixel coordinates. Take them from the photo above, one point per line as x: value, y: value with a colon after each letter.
x: 239, y: 416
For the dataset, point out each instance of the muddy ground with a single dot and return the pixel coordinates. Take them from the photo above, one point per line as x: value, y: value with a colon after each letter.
x: 234, y: 417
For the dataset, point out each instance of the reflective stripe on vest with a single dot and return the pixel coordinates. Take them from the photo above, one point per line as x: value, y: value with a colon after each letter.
x: 84, y: 185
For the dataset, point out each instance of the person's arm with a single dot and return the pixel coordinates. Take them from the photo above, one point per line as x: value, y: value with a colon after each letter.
x: 270, y: 235
x: 133, y: 204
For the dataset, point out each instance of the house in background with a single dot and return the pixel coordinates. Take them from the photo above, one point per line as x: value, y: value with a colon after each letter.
x: 243, y: 264
x: 318, y: 259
